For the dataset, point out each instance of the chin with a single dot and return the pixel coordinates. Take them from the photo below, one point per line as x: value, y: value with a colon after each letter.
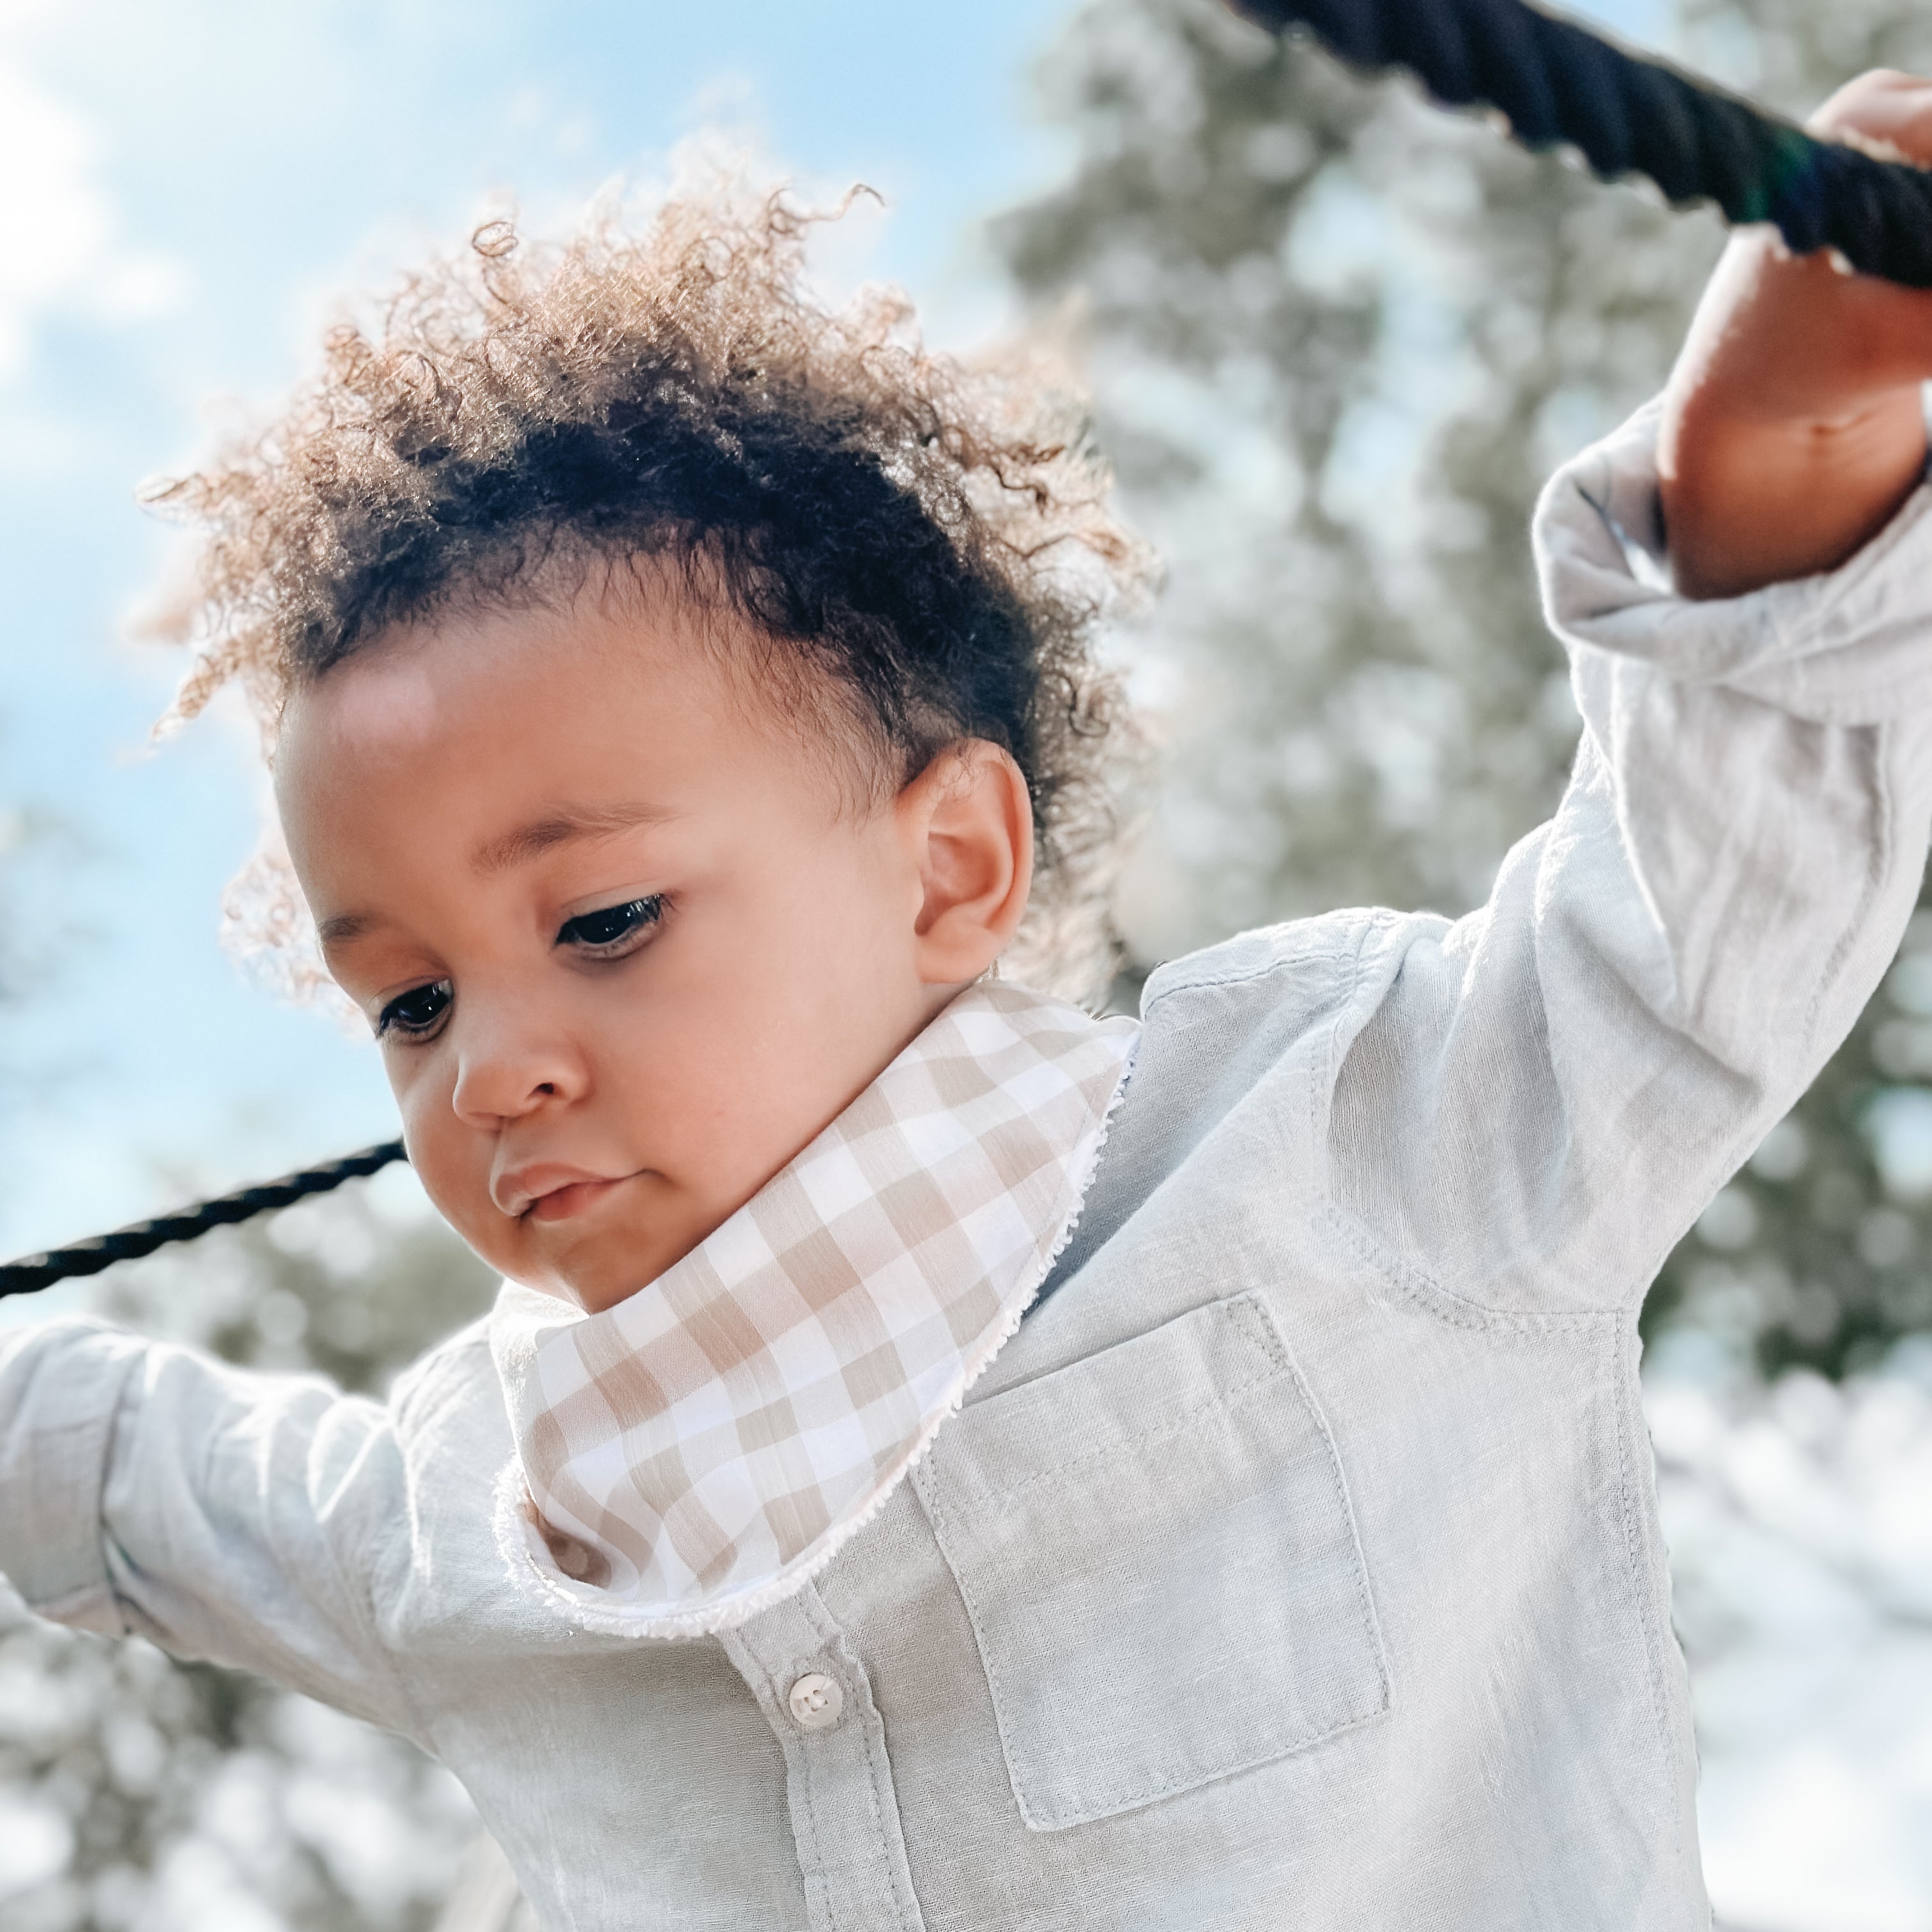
x: 598, y: 1272
x: 596, y: 1259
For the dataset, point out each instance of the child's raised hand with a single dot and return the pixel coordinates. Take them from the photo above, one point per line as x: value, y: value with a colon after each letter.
x: 1792, y: 428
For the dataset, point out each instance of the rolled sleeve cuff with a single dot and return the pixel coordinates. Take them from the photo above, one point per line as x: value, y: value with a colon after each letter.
x: 1852, y: 646
x: 61, y: 1389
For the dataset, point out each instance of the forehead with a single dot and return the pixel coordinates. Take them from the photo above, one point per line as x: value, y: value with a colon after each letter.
x: 631, y: 664
x: 477, y: 725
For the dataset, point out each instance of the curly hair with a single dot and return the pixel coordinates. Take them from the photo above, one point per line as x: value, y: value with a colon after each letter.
x: 932, y: 540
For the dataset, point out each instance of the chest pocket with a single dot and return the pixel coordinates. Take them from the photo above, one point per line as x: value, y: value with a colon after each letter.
x: 1161, y: 1567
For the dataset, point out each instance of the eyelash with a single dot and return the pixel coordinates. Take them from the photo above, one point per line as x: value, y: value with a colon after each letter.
x: 391, y: 1020
x: 639, y: 918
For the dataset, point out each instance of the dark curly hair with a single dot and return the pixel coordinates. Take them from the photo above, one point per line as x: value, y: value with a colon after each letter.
x: 932, y: 541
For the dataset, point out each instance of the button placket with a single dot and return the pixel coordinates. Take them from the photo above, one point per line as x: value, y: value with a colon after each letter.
x: 814, y: 1693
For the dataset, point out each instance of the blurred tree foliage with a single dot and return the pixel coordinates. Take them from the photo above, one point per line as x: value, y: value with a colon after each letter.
x: 137, y: 1793
x: 1338, y: 340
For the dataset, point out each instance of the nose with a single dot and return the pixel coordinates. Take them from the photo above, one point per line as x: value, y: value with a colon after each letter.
x: 511, y: 1061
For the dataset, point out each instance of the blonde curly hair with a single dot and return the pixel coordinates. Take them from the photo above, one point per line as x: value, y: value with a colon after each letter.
x: 933, y: 542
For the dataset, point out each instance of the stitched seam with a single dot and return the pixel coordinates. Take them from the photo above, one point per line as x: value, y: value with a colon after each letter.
x: 797, y: 1760
x: 872, y: 1792
x: 1374, y: 920
x: 1331, y: 1450
x: 1186, y: 1423
x: 867, y: 1717
x: 1882, y: 736
x: 877, y: 1772
x: 832, y: 1639
x: 1415, y: 1286
x: 1054, y: 1818
x: 1190, y: 1780
x: 1234, y: 976
x: 1371, y: 1630
x: 1642, y: 1593
x: 931, y: 1490
x: 1193, y: 1424
x: 795, y: 1749
x: 1411, y: 1284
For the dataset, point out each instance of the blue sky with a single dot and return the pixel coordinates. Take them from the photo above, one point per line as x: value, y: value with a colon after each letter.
x: 189, y: 189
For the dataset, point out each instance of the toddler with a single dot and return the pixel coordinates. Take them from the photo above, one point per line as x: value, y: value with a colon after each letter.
x: 938, y: 1460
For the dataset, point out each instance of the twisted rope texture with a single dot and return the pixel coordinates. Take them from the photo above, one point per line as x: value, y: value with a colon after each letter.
x: 127, y: 1244
x: 1555, y: 82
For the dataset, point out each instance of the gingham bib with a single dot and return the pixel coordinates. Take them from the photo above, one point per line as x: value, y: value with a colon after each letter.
x: 697, y: 1452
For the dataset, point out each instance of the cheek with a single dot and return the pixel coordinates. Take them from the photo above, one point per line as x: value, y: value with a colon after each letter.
x: 452, y: 1166
x: 839, y: 909
x: 773, y: 1026
x: 418, y: 1078
x: 671, y: 1059
x: 694, y: 1071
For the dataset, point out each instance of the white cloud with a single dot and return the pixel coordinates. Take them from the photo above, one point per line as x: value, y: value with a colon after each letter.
x: 55, y: 221
x: 59, y: 249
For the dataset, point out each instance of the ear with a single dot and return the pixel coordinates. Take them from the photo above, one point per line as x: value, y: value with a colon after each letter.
x: 968, y: 825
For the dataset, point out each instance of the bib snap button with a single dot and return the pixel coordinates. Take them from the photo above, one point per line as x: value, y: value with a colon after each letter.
x: 816, y: 1701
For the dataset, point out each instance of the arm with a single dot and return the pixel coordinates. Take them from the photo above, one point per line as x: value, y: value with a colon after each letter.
x: 1794, y: 426
x: 237, y: 1517
x: 1544, y: 1096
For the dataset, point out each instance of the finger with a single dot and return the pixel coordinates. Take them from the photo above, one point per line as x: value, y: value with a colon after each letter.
x: 1884, y: 109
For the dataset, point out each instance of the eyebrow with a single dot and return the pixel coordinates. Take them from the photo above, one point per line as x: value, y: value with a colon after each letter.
x: 563, y: 826
x: 343, y: 927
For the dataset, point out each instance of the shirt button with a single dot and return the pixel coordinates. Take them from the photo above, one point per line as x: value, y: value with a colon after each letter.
x: 816, y: 1702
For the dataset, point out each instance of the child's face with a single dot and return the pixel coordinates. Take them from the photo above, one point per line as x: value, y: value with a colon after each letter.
x: 628, y: 940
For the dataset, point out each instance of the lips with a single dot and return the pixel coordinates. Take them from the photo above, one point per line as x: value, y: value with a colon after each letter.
x: 551, y: 1191
x: 561, y: 1204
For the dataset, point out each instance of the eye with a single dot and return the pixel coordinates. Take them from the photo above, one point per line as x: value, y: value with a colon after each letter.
x: 417, y: 1011
x: 607, y: 929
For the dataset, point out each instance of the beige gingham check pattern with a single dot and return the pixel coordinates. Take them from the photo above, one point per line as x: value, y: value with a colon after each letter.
x: 695, y: 1453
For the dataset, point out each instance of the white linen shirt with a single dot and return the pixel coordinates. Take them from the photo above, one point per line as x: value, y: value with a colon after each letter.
x: 1296, y: 1563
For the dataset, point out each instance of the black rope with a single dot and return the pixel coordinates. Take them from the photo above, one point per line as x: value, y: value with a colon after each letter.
x: 1556, y: 83
x: 127, y: 1244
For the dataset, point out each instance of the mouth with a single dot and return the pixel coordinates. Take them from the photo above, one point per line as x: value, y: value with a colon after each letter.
x: 572, y: 1199
x: 553, y: 1191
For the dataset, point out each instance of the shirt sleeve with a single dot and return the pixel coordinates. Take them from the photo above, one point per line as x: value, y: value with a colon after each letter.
x: 242, y: 1518
x: 1547, y: 1092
